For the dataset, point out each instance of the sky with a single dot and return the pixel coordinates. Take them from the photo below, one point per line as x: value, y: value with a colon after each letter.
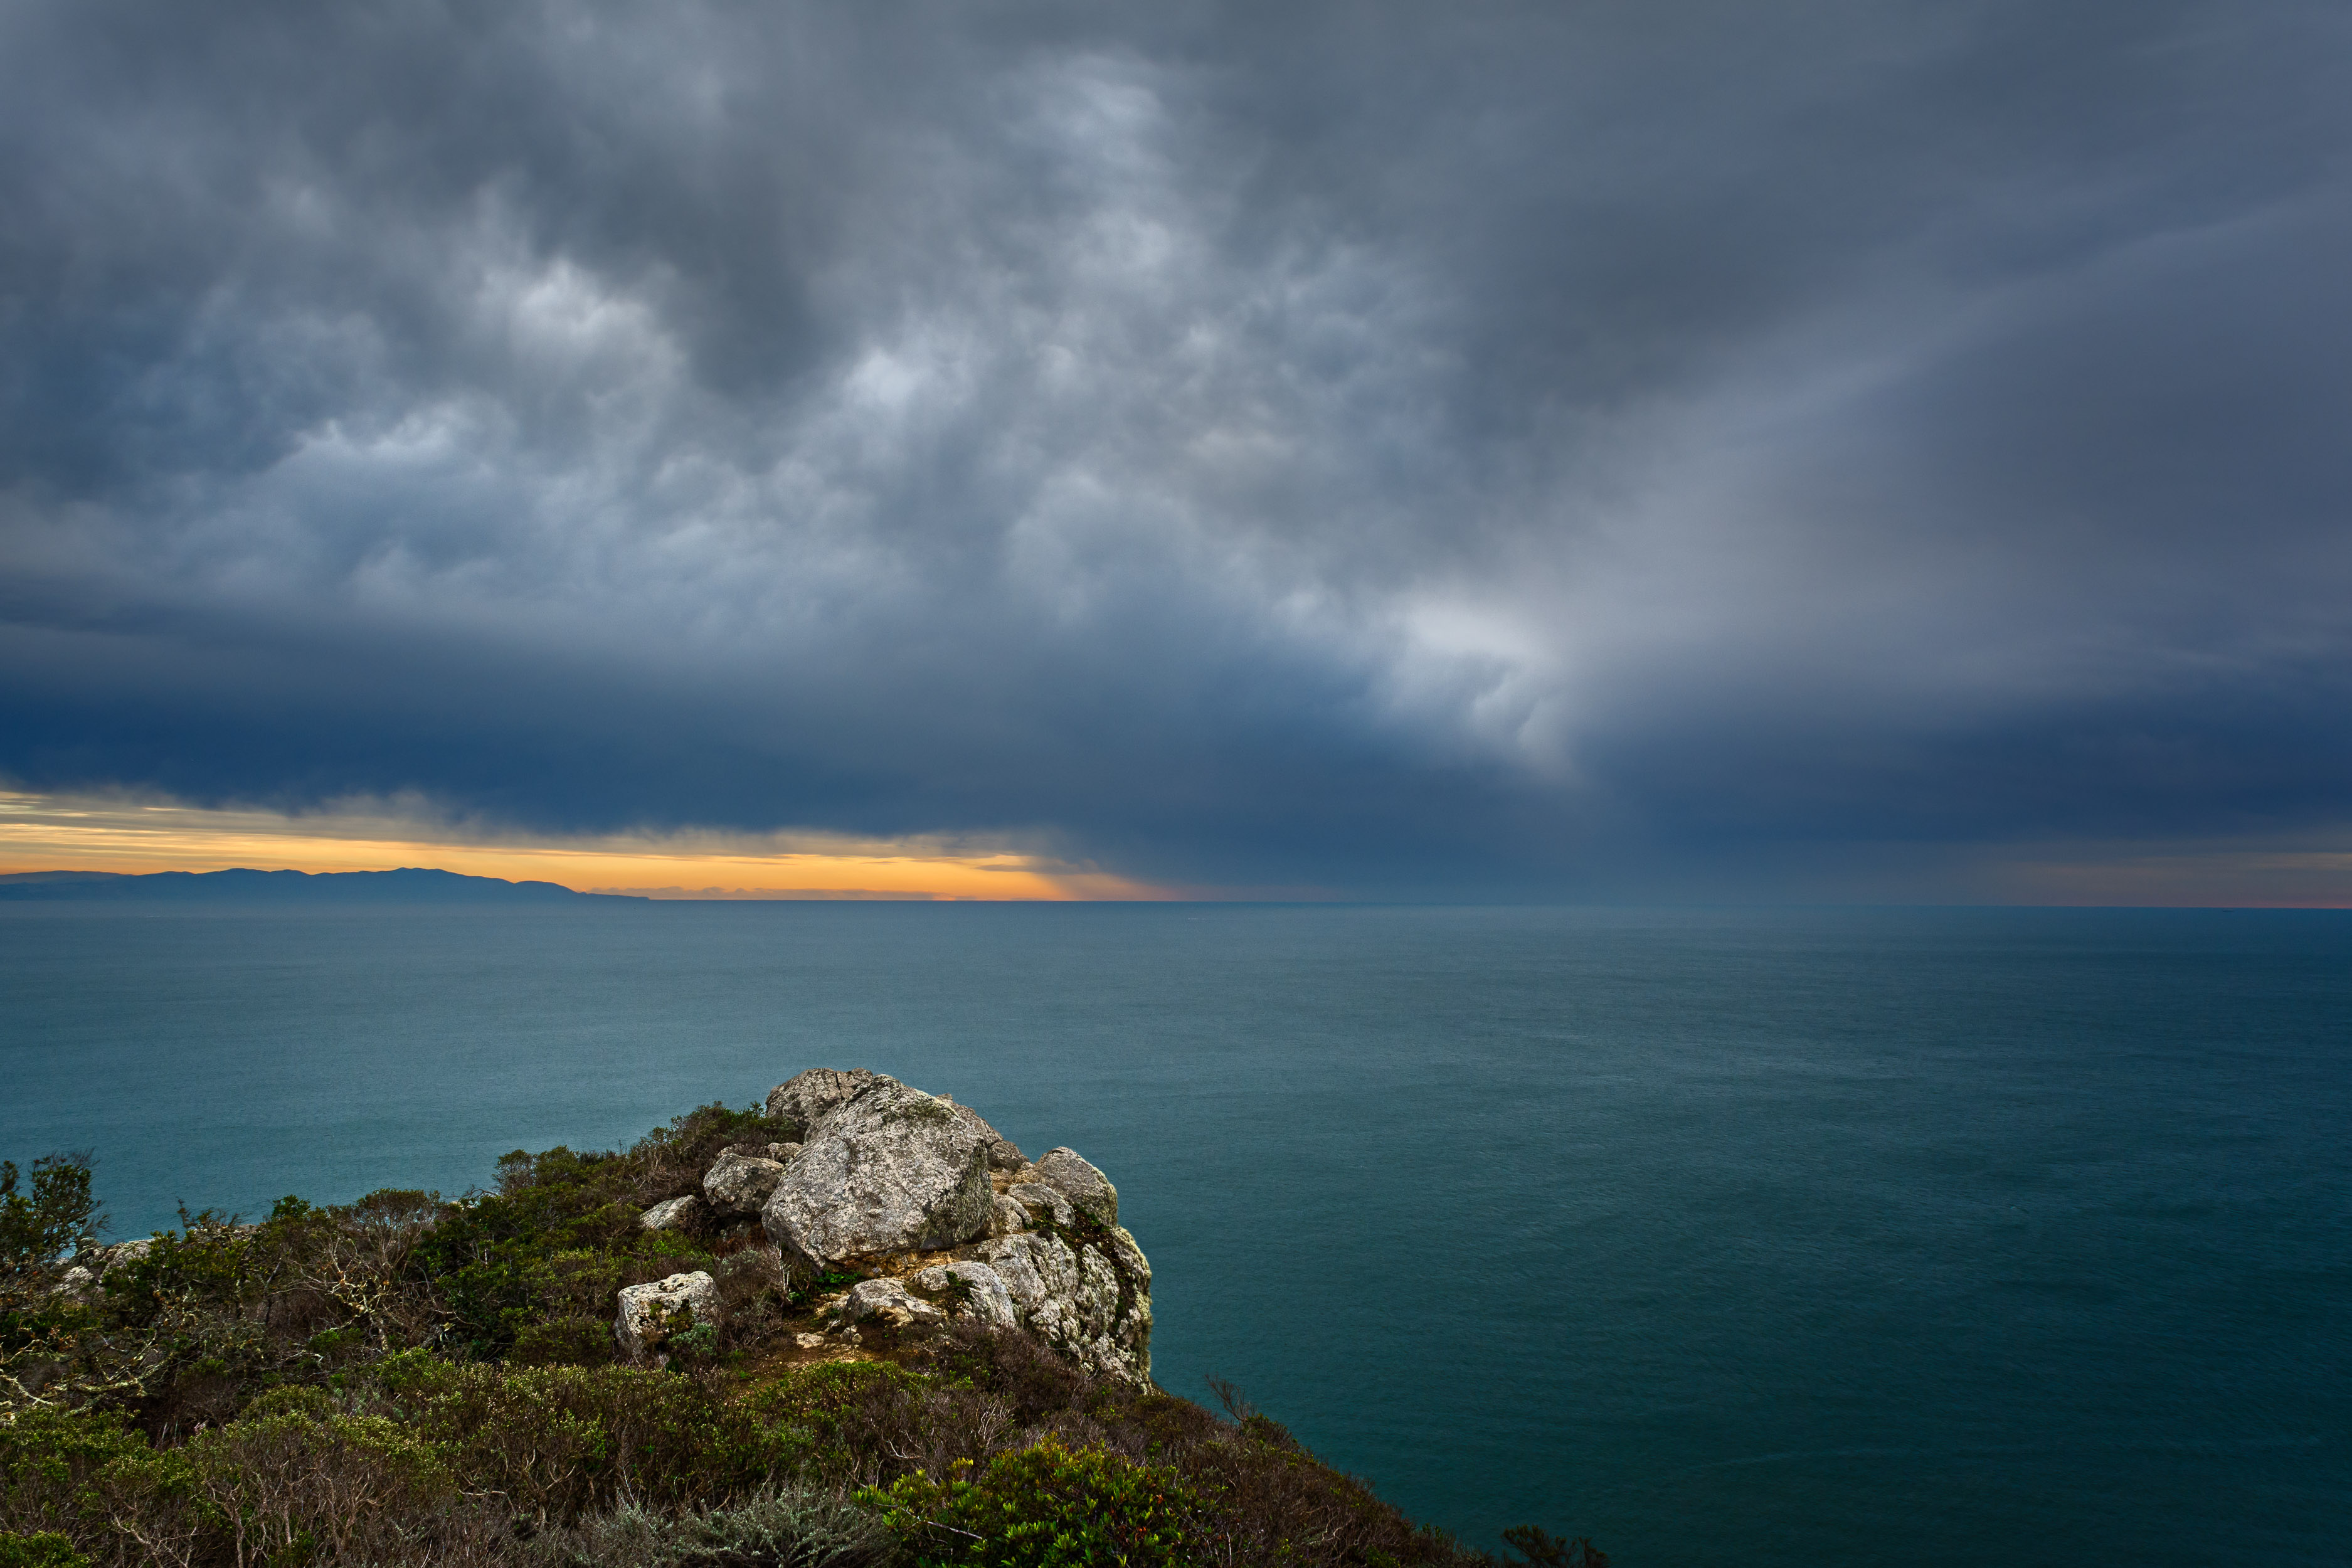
x: 1611, y: 451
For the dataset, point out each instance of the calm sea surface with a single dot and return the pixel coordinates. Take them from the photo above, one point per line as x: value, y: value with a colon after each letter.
x: 1945, y: 1238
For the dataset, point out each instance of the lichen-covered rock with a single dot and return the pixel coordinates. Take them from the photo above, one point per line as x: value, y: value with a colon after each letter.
x: 889, y: 1301
x: 1006, y: 1216
x: 1041, y: 1204
x: 801, y: 1102
x: 1074, y: 1299
x: 891, y: 1170
x: 737, y: 1185
x: 1087, y: 1187
x: 1003, y: 1153
x: 652, y: 1313
x: 674, y: 1214
x: 977, y: 1291
x: 1129, y: 1257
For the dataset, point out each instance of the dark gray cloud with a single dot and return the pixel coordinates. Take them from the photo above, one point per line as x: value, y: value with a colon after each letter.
x: 1390, y: 447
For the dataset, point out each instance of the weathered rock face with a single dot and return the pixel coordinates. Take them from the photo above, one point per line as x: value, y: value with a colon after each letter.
x: 1074, y: 1297
x: 975, y: 1287
x: 1003, y: 1153
x: 737, y: 1185
x: 802, y: 1100
x: 890, y: 1170
x: 1086, y: 1187
x: 651, y: 1313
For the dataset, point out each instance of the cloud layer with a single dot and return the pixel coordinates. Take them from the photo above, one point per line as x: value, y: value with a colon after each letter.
x: 1399, y: 449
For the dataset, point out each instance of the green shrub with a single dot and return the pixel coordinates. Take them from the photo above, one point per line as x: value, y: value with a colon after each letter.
x: 46, y: 1550
x: 558, y: 1442
x: 1049, y: 1507
x: 785, y: 1525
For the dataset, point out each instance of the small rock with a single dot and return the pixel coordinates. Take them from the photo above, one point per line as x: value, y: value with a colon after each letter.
x: 888, y: 1300
x: 737, y: 1185
x: 1087, y: 1187
x: 650, y: 1313
x: 122, y: 1252
x: 809, y: 1342
x: 674, y: 1214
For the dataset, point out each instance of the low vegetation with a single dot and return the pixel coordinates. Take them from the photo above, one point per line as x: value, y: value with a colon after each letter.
x: 408, y: 1380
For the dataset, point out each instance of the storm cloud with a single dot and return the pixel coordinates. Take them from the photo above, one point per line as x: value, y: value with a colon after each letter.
x: 1404, y: 448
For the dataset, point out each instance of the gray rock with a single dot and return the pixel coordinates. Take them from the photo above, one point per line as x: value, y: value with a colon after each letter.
x: 979, y: 1291
x: 802, y: 1100
x: 888, y: 1300
x: 1072, y: 1298
x: 783, y: 1153
x: 737, y: 1185
x: 893, y: 1169
x: 674, y: 1214
x: 1006, y: 1217
x: 1086, y: 1186
x: 1042, y: 1205
x: 103, y: 1258
x: 1129, y: 1257
x: 651, y: 1313
x: 1003, y: 1153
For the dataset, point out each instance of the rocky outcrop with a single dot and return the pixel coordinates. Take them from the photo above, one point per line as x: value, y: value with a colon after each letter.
x: 653, y: 1313
x: 935, y: 1214
x: 938, y: 1209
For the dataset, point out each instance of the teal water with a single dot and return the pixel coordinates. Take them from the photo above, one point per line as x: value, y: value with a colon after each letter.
x: 1928, y: 1237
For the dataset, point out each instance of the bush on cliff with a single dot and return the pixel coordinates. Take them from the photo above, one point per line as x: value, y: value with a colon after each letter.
x: 415, y: 1381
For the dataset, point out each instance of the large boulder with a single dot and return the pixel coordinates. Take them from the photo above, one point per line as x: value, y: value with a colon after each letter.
x: 1088, y: 1189
x: 801, y: 1102
x: 652, y: 1313
x: 738, y: 1184
x: 890, y: 1170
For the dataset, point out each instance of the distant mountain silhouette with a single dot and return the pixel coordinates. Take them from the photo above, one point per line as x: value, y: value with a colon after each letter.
x: 412, y: 885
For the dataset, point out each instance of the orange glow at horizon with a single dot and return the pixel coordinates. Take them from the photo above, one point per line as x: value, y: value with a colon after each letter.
x: 42, y: 833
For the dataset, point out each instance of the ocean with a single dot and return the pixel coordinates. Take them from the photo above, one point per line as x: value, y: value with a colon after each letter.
x: 1849, y: 1237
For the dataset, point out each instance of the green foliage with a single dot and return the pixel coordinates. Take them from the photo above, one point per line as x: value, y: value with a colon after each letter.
x: 559, y: 1441
x: 1048, y: 1507
x: 807, y: 1528
x: 40, y: 1227
x: 46, y: 1550
x: 411, y: 1379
